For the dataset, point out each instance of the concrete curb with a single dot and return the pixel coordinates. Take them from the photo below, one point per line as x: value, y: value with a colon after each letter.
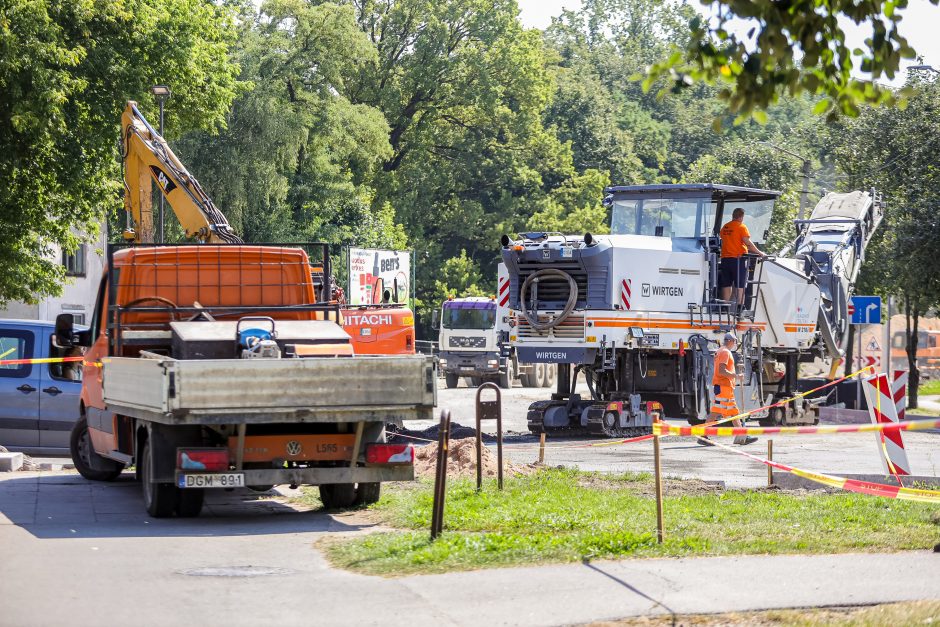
x: 10, y: 462
x: 788, y: 481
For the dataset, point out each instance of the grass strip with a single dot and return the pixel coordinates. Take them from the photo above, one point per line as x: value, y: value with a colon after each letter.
x: 563, y: 515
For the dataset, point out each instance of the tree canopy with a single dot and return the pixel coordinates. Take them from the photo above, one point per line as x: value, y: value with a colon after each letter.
x: 66, y: 70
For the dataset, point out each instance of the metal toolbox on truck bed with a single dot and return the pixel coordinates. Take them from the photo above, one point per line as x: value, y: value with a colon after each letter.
x: 221, y: 391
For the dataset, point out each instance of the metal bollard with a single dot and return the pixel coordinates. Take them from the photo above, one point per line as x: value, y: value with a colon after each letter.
x: 440, y: 476
x: 770, y: 458
x: 490, y: 410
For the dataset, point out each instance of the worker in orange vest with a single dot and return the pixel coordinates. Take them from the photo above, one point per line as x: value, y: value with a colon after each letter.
x: 735, y: 242
x: 724, y: 379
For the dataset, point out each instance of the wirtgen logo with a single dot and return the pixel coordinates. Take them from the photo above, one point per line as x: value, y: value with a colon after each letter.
x: 660, y: 290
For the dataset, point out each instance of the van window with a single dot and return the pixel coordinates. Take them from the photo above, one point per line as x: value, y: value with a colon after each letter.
x: 65, y: 371
x: 15, y: 344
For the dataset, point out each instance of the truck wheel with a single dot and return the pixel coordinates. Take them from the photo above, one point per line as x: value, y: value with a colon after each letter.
x: 506, y: 377
x: 338, y: 495
x: 82, y: 452
x: 452, y: 379
x: 526, y: 380
x: 539, y: 378
x: 190, y: 502
x: 160, y: 499
x: 549, y: 380
x: 476, y: 381
x: 368, y: 493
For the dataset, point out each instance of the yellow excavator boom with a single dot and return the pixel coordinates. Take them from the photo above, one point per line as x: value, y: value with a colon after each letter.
x: 146, y: 156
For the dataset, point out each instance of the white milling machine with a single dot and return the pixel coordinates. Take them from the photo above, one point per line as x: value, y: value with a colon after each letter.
x: 638, y: 312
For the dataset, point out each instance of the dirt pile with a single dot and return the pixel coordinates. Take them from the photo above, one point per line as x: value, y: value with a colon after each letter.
x: 462, y: 461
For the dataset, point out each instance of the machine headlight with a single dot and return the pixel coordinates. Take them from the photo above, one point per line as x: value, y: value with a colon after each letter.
x: 492, y: 362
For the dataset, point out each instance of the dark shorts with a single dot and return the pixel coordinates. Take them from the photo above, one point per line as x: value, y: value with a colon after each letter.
x: 732, y: 272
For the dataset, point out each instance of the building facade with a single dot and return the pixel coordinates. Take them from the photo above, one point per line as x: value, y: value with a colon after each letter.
x: 83, y: 271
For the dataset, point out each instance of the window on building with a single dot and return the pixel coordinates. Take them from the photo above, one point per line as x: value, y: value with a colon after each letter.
x: 74, y: 262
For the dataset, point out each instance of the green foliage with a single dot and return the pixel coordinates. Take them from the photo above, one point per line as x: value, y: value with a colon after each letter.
x: 575, y: 207
x: 791, y: 48
x: 747, y: 163
x: 66, y: 70
x: 568, y: 515
x: 458, y: 276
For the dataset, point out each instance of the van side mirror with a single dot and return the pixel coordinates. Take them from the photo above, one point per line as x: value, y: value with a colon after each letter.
x: 436, y: 319
x: 64, y: 331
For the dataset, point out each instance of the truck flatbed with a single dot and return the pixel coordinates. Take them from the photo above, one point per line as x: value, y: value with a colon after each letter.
x: 221, y: 391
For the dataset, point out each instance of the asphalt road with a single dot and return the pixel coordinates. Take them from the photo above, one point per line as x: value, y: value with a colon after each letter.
x: 81, y: 553
x: 683, y: 457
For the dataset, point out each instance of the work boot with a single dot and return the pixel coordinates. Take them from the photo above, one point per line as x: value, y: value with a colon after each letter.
x: 745, y: 441
x: 704, y: 441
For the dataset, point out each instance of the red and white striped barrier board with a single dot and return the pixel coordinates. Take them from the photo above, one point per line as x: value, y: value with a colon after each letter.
x: 503, y: 291
x: 626, y: 292
x: 899, y: 388
x: 882, y: 410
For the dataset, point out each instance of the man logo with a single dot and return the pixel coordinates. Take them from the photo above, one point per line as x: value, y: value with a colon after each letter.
x: 294, y: 448
x: 645, y: 290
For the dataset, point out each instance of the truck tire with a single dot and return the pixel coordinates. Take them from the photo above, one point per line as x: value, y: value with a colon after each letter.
x: 506, y: 377
x: 538, y: 380
x: 338, y: 495
x: 476, y: 381
x: 452, y: 379
x: 549, y: 380
x: 368, y: 493
x: 160, y: 499
x: 190, y: 502
x: 82, y: 452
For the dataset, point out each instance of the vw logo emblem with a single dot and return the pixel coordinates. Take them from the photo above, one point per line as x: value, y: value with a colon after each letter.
x: 294, y: 447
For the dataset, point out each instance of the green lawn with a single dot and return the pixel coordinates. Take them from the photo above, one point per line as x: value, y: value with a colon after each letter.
x: 562, y: 515
x: 929, y: 387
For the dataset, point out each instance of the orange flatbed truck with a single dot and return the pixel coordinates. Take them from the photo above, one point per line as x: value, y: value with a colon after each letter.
x: 217, y: 366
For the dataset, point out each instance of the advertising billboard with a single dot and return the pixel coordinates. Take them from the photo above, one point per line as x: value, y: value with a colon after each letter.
x: 372, y: 272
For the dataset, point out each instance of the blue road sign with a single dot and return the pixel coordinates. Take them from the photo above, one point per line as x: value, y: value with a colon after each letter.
x: 865, y: 309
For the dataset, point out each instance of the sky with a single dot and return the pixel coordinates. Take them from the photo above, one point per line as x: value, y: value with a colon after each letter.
x: 919, y: 25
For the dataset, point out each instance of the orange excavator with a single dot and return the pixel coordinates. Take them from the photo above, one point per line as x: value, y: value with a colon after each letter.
x: 378, y: 329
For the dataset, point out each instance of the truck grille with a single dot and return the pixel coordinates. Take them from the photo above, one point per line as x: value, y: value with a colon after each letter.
x: 572, y: 328
x: 553, y: 291
x: 459, y: 341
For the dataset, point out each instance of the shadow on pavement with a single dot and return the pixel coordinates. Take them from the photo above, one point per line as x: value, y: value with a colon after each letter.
x: 632, y: 589
x: 69, y: 506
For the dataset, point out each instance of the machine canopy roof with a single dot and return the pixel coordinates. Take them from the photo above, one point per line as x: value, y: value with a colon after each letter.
x: 730, y: 193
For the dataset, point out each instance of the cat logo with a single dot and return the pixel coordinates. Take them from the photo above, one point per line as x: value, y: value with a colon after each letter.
x: 162, y: 179
x: 294, y: 448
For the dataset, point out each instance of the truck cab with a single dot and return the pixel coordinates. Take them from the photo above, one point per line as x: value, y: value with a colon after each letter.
x: 468, y: 340
x: 41, y: 400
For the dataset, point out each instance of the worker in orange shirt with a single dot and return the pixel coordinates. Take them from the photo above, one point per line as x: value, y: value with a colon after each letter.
x: 735, y: 242
x: 724, y: 380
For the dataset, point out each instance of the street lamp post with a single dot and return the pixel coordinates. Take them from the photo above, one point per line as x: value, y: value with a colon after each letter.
x: 161, y: 92
x: 804, y: 195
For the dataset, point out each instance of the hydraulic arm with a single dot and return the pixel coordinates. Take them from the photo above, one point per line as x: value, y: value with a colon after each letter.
x: 147, y: 156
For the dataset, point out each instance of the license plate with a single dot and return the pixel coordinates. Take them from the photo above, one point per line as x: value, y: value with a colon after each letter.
x: 650, y: 339
x: 215, y: 480
x: 466, y: 367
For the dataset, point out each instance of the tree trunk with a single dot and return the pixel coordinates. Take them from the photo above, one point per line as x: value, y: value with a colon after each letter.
x: 911, y: 319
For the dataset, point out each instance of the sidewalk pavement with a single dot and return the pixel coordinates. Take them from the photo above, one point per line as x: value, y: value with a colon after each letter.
x: 85, y: 553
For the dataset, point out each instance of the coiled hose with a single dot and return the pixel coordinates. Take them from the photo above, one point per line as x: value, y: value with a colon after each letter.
x: 533, y: 318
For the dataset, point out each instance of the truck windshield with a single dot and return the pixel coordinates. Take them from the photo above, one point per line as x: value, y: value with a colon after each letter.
x: 685, y: 217
x: 469, y: 316
x: 663, y: 217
